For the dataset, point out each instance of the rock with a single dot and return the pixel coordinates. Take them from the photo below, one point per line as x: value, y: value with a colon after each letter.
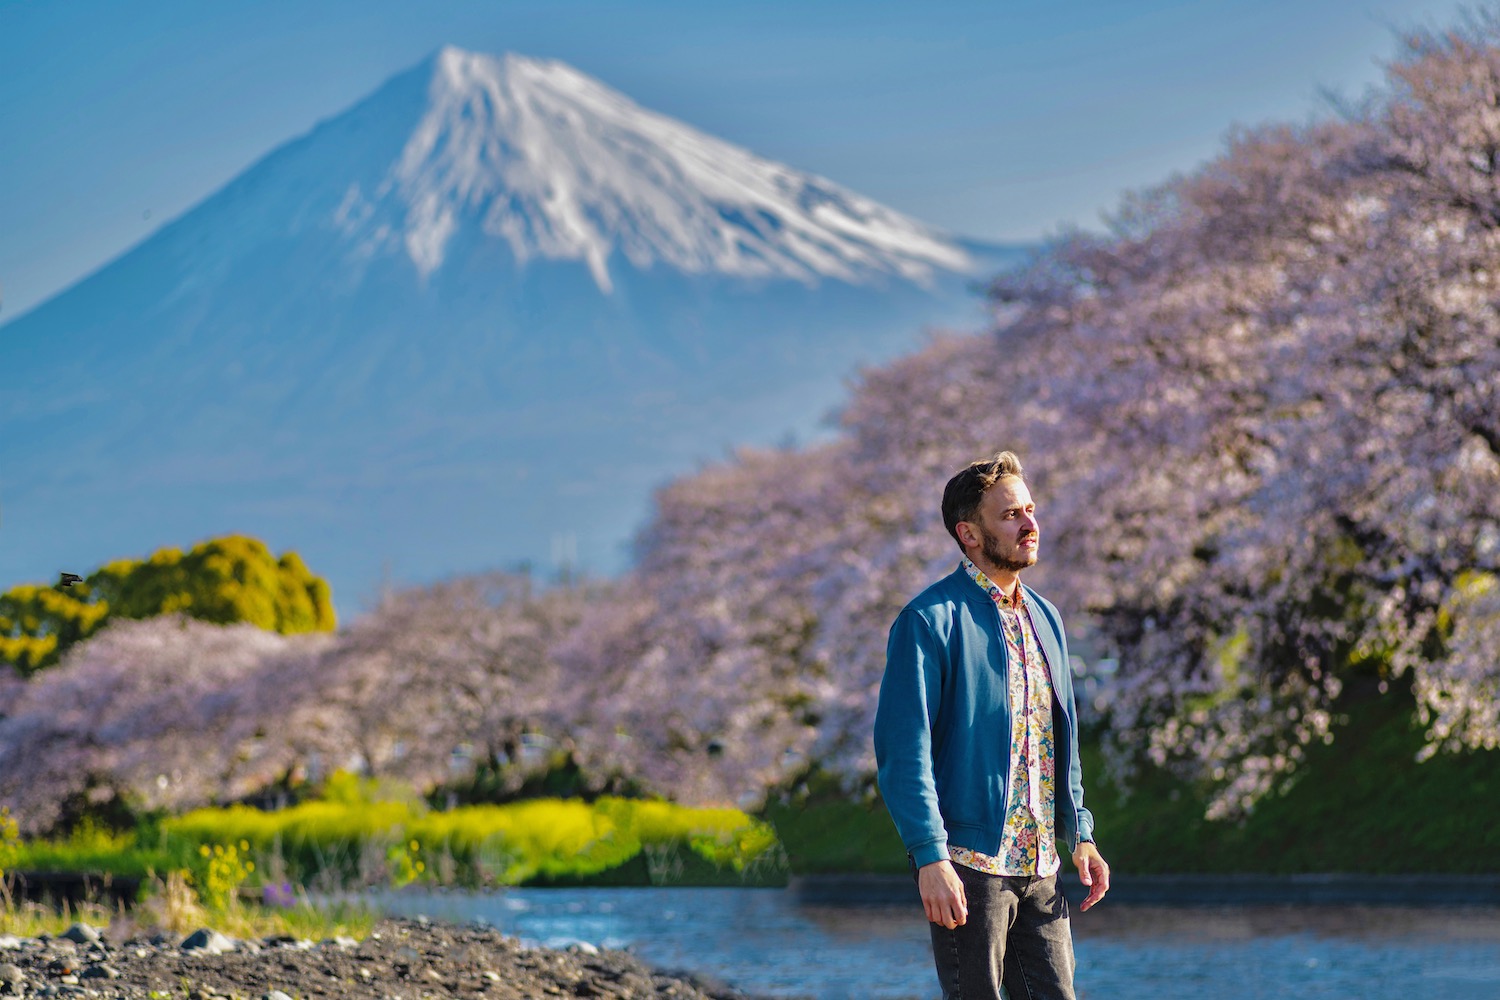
x: 100, y: 971
x: 9, y: 942
x: 583, y: 948
x: 80, y: 934
x: 275, y: 995
x: 12, y: 979
x: 208, y: 941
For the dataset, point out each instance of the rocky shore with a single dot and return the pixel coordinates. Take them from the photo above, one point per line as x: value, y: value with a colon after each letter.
x: 405, y: 959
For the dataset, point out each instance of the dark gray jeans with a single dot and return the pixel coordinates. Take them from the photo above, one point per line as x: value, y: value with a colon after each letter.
x: 1017, y: 934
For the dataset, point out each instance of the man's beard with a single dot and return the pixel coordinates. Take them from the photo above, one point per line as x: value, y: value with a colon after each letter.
x: 991, y: 551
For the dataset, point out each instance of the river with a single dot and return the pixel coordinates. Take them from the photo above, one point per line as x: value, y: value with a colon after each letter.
x: 775, y: 942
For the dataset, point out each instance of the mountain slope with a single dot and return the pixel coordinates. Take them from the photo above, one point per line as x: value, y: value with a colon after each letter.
x: 472, y: 320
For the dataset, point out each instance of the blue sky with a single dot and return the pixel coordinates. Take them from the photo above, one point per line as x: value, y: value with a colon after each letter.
x: 997, y: 119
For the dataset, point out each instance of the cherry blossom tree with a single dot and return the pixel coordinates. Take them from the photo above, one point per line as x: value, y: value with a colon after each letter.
x: 138, y: 711
x: 434, y: 680
x: 1260, y: 414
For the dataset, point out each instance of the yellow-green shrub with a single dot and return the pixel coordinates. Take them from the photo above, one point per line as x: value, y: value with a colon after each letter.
x: 509, y: 844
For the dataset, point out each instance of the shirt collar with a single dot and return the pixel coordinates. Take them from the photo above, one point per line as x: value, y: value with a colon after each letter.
x: 993, y: 589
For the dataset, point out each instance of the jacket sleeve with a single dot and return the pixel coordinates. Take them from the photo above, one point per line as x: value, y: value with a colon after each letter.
x: 910, y: 694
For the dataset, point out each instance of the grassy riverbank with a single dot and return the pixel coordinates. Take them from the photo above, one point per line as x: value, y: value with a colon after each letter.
x: 249, y: 872
x: 353, y: 838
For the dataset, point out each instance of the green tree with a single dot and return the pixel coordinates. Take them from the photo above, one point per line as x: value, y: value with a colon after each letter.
x: 38, y: 622
x: 222, y: 580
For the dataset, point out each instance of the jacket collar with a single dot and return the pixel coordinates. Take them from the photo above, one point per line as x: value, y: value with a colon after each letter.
x: 1043, y: 617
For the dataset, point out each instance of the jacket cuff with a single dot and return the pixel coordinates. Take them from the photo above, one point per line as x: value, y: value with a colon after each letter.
x: 930, y: 852
x: 1085, y: 834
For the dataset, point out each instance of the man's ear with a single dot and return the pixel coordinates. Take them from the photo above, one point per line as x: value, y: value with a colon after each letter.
x: 966, y: 535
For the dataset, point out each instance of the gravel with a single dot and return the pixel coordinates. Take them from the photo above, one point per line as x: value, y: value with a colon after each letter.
x: 405, y: 959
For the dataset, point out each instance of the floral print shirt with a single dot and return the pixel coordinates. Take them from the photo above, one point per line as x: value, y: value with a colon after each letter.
x: 1028, y: 843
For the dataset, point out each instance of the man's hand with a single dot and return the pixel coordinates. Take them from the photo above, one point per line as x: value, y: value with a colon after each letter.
x: 1092, y: 872
x: 943, y: 894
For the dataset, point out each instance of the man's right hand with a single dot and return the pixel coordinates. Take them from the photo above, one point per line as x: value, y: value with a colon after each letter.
x: 942, y: 894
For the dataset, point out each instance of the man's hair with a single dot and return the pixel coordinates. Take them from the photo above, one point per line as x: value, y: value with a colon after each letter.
x: 962, y: 495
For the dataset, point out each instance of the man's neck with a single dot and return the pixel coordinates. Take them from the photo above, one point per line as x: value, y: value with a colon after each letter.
x: 1006, y: 579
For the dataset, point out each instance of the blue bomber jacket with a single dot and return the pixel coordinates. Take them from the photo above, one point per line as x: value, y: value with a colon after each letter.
x: 942, y: 727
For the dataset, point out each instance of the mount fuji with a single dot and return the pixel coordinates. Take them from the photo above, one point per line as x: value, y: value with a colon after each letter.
x: 472, y: 321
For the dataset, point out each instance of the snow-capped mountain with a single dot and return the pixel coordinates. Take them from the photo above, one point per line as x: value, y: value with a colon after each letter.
x: 563, y: 168
x: 470, y: 321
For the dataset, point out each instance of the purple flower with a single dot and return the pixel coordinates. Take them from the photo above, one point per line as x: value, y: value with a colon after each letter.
x: 279, y: 894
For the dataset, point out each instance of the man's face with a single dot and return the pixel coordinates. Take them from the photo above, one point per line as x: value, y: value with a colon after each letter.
x: 1005, y: 528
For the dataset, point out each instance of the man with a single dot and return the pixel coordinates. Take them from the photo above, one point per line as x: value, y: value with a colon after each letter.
x: 976, y: 738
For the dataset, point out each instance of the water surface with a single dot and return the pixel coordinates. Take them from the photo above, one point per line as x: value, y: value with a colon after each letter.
x: 769, y: 942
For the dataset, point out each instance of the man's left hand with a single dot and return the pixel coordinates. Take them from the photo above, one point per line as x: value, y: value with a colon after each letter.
x: 1092, y: 872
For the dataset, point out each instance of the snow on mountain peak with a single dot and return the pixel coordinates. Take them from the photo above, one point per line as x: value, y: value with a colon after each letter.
x: 563, y: 168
